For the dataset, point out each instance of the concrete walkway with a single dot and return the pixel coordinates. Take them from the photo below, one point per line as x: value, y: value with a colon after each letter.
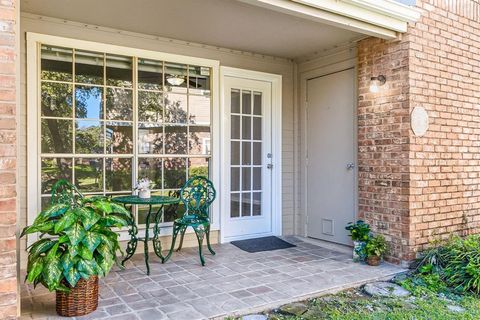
x: 233, y: 282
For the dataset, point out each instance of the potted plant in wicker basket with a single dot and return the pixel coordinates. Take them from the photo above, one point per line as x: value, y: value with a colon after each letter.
x: 360, y: 233
x: 375, y: 250
x: 75, y: 247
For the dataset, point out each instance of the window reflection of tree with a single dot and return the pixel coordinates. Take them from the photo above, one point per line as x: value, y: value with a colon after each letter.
x: 57, y: 134
x: 118, y: 174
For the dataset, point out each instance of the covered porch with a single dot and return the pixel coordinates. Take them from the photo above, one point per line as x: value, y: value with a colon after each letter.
x: 226, y: 52
x: 233, y: 282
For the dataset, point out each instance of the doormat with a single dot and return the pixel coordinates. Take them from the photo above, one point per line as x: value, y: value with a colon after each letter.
x: 262, y: 244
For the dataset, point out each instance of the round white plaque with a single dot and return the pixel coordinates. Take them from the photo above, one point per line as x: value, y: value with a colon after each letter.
x: 419, y: 121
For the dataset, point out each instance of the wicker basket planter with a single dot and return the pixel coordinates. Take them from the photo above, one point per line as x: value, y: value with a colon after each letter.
x: 81, y: 300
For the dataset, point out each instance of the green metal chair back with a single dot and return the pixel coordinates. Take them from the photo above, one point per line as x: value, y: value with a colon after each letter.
x: 197, y: 195
x: 65, y: 192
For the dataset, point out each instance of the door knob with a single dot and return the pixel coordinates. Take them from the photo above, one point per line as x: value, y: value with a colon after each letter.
x: 350, y: 166
x: 269, y: 166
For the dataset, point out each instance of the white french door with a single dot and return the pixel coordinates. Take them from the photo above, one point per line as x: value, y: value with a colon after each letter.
x: 248, y: 157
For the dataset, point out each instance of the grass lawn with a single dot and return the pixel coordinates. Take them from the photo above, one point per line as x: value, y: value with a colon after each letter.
x: 356, y: 305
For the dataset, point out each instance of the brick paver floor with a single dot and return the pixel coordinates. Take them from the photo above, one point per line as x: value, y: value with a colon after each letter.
x: 233, y: 282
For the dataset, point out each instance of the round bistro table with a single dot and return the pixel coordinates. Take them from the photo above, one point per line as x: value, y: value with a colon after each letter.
x: 156, y: 215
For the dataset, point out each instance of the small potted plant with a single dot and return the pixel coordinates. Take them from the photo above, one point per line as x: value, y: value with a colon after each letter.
x: 375, y: 250
x: 359, y: 232
x: 144, y: 187
x: 76, y: 246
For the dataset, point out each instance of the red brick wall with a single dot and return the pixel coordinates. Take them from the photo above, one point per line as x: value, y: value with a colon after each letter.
x: 383, y: 141
x: 445, y: 80
x: 416, y: 189
x: 8, y: 269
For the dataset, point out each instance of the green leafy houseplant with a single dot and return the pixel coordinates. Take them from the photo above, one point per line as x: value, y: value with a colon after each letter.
x: 359, y: 232
x: 76, y: 240
x: 375, y: 249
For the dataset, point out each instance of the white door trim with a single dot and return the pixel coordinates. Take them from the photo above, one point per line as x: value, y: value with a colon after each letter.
x: 276, y: 191
x: 322, y: 71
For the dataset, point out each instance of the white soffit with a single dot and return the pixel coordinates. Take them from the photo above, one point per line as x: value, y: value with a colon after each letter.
x: 228, y: 24
x: 380, y: 18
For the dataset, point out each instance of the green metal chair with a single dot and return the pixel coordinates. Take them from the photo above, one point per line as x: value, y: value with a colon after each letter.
x: 197, y: 195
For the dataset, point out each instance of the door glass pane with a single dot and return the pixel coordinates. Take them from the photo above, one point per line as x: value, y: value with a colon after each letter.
x: 257, y: 204
x: 235, y: 101
x: 235, y: 153
x: 257, y: 103
x: 89, y: 67
x: 57, y: 100
x: 246, y: 102
x: 257, y: 153
x: 246, y: 204
x: 235, y: 127
x: 246, y: 128
x: 235, y: 179
x: 257, y: 178
x: 257, y: 128
x: 246, y: 179
x: 246, y: 153
x: 235, y: 205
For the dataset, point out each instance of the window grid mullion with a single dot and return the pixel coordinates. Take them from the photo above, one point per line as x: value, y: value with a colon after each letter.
x: 134, y: 156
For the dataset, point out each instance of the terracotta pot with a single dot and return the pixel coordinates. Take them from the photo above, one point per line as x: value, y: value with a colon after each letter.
x: 374, y: 260
x: 81, y: 300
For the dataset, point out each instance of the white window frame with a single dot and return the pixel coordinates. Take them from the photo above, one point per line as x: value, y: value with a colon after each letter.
x: 34, y: 40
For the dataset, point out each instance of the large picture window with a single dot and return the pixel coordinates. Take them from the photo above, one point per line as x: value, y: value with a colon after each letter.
x: 107, y: 120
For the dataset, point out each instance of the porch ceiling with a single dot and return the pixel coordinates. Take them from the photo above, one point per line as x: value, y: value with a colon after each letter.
x: 225, y: 23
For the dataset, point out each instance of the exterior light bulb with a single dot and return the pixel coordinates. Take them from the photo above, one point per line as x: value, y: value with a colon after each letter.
x: 374, y: 87
x: 376, y: 82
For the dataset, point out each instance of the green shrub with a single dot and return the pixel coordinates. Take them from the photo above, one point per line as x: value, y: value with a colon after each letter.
x: 456, y: 262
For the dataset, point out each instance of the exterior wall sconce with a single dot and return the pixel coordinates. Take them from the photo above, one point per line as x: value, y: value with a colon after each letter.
x: 375, y: 82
